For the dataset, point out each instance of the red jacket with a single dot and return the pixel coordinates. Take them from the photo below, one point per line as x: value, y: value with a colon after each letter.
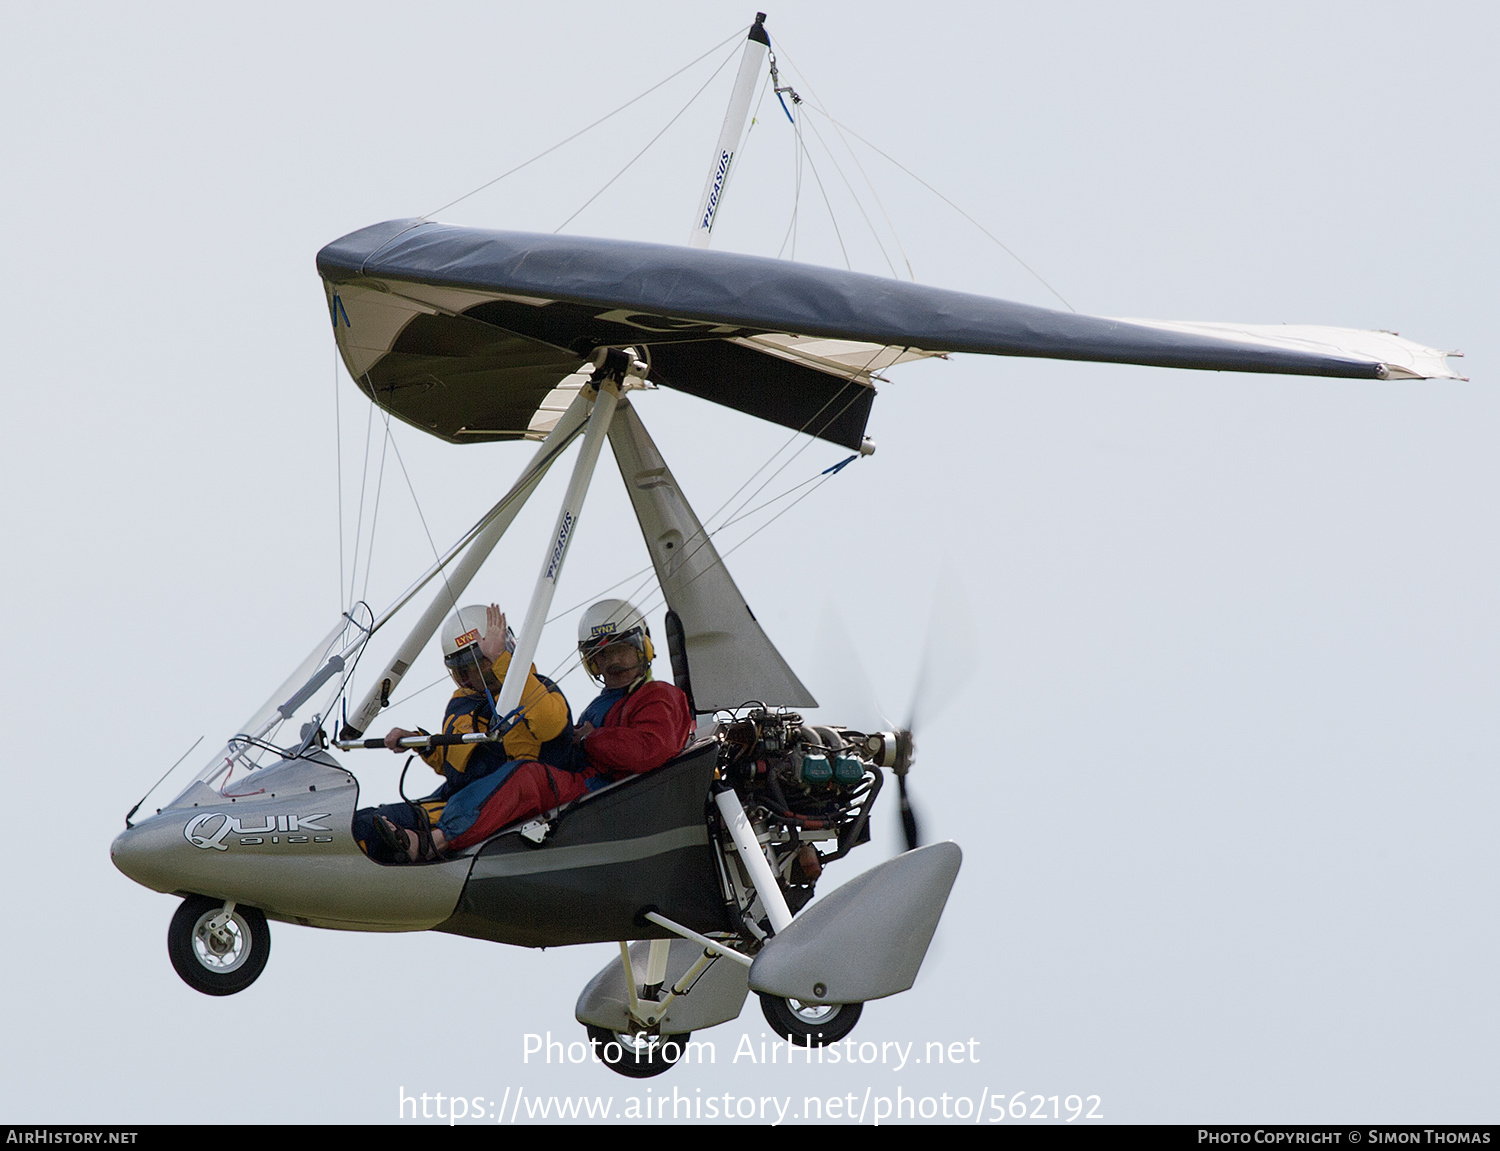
x: 641, y: 732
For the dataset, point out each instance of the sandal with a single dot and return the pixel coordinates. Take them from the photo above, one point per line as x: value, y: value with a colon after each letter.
x: 425, y: 849
x: 393, y: 839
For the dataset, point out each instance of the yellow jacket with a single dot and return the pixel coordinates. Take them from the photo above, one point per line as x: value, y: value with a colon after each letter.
x: 544, y: 717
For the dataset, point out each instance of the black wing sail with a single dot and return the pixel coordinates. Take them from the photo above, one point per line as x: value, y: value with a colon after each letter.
x: 475, y: 335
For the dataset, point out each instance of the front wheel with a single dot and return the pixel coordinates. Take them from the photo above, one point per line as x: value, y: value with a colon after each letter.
x: 809, y: 1024
x: 222, y: 962
x: 639, y: 1055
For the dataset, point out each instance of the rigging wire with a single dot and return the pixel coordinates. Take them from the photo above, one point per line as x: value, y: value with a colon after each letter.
x: 841, y: 128
x: 590, y: 128
x: 659, y: 597
x: 567, y: 611
x: 338, y: 441
x: 832, y: 219
x: 802, y: 150
x: 416, y: 503
x: 736, y: 513
x: 802, y: 155
x: 707, y: 534
x: 889, y: 223
x: 364, y: 480
x: 996, y: 239
x: 643, y: 151
x: 375, y: 515
x: 776, y: 499
x: 713, y: 515
x: 431, y: 543
x: 791, y: 227
x: 851, y: 381
x: 857, y: 203
x: 421, y: 690
x: 818, y: 104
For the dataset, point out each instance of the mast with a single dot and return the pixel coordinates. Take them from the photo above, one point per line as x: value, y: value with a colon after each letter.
x: 757, y: 44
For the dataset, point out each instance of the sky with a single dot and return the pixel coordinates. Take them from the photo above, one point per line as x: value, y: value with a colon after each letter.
x: 1224, y: 769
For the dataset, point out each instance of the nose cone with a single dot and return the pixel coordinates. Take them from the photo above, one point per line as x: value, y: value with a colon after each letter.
x: 140, y: 852
x: 126, y: 851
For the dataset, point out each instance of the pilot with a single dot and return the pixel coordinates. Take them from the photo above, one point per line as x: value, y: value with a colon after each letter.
x: 477, y: 650
x: 635, y: 725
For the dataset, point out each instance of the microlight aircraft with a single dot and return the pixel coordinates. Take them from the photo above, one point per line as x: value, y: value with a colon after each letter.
x: 473, y: 336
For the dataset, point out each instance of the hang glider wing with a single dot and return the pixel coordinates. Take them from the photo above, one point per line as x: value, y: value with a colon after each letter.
x: 480, y: 335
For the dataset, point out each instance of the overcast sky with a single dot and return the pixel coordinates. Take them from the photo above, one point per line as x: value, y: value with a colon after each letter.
x: 1225, y: 775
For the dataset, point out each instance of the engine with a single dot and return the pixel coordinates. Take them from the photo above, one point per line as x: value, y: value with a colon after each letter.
x: 808, y: 791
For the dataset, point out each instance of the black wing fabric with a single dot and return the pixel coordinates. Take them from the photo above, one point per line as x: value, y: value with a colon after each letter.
x: 535, y: 306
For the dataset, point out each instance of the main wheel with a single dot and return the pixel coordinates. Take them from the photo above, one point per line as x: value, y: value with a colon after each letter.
x: 218, y: 963
x: 637, y: 1056
x: 811, y: 1024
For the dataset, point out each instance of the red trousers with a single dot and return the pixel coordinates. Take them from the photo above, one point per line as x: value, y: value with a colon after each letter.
x: 531, y: 789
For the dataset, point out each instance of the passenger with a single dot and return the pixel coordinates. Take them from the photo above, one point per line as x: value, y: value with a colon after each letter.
x: 634, y: 726
x: 636, y: 723
x: 477, y: 650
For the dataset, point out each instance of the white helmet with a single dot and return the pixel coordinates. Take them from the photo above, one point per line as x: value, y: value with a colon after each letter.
x: 464, y: 629
x: 608, y: 622
x: 460, y: 637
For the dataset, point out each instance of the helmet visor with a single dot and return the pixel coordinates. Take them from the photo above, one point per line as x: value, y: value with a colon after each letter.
x: 592, y: 646
x: 468, y: 667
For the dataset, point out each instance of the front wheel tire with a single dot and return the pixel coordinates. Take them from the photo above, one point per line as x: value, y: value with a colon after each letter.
x: 809, y: 1024
x: 218, y: 963
x: 637, y: 1056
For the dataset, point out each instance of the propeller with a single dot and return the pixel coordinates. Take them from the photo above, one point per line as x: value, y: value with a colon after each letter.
x: 896, y: 750
x: 946, y: 664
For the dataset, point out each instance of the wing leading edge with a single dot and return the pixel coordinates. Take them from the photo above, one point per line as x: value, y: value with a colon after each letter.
x: 472, y: 334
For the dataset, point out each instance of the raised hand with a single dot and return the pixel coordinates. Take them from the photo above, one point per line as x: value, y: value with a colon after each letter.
x: 493, y: 642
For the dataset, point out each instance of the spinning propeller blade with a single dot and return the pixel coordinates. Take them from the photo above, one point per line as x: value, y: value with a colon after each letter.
x: 908, y: 817
x: 948, y: 655
x: 843, y: 687
x: 948, y: 659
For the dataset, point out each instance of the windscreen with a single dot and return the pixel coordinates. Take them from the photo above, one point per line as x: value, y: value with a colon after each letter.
x: 312, y: 690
